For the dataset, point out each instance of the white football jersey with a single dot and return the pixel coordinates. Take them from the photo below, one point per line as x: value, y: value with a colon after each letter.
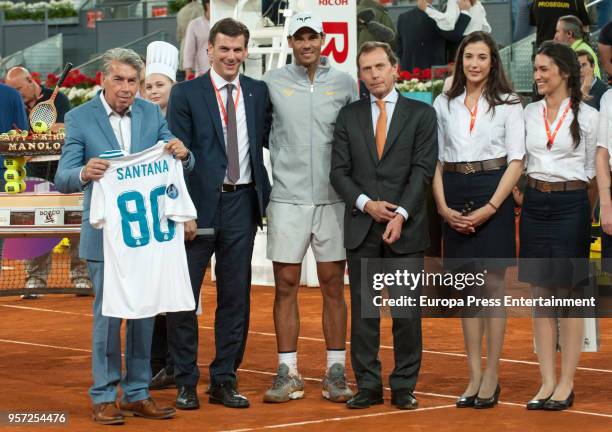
x: 141, y: 203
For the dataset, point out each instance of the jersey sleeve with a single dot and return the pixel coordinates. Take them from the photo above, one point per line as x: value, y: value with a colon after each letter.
x: 178, y: 205
x: 97, y: 208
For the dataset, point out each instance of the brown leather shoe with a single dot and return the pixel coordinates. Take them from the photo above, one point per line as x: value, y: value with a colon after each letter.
x: 146, y: 408
x: 107, y: 414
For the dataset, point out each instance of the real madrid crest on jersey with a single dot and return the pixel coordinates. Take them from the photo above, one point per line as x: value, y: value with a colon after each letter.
x: 172, y: 191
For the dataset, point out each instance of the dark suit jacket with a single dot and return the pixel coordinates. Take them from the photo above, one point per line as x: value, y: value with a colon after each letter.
x: 597, y: 91
x: 420, y: 43
x: 193, y: 116
x: 401, y: 176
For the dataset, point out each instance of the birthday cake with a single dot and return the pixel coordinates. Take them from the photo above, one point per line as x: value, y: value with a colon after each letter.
x: 19, y: 146
x: 16, y: 143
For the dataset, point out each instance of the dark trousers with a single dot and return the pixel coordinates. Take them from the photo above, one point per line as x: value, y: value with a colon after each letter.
x: 365, y: 332
x: 160, y: 355
x: 232, y: 245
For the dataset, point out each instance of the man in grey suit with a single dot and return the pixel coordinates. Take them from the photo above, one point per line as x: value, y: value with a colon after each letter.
x: 383, y: 158
x: 114, y: 120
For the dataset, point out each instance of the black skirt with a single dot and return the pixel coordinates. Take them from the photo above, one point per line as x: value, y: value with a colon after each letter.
x: 555, y: 238
x: 496, y: 238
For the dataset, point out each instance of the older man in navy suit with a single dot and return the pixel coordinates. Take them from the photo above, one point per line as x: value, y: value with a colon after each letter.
x: 114, y: 120
x: 221, y: 117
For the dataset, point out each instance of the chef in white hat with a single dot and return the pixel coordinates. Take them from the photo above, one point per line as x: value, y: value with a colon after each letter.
x: 160, y: 76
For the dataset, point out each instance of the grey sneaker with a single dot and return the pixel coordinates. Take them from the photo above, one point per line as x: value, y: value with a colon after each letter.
x: 284, y: 387
x: 335, y: 387
x: 33, y: 283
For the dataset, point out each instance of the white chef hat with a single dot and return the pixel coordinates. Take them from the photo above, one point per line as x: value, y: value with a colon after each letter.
x: 162, y: 58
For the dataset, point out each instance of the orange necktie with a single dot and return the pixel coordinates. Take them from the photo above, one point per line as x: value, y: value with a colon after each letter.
x: 381, y: 128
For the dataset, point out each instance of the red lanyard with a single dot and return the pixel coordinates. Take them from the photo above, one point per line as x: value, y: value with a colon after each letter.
x: 473, y: 116
x: 220, y: 100
x: 551, y: 137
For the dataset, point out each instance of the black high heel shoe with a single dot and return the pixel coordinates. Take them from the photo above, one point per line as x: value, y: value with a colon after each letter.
x: 556, y: 405
x: 490, y: 402
x: 466, y: 401
x: 537, y: 404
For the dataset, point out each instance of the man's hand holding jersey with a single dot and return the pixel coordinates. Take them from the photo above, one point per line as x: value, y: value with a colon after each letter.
x: 94, y: 170
x: 177, y: 149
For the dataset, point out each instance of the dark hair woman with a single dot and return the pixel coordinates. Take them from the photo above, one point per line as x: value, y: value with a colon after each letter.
x: 481, y: 147
x: 555, y: 220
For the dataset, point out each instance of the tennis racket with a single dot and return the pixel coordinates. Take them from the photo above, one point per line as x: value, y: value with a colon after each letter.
x: 45, y: 111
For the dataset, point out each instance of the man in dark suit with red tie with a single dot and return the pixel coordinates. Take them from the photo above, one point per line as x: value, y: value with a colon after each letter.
x: 383, y: 158
x: 221, y: 118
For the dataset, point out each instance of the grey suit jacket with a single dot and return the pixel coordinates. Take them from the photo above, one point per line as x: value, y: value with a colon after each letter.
x: 89, y: 134
x: 401, y: 176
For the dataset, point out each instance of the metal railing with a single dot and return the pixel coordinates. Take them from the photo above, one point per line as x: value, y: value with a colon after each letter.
x: 139, y: 45
x: 44, y: 57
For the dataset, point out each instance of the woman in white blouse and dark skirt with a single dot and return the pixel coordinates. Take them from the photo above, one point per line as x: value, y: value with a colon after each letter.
x: 481, y: 148
x: 555, y: 219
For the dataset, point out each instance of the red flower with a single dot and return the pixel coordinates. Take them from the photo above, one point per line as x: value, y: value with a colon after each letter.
x: 426, y: 74
x: 439, y: 73
x: 36, y: 77
x: 51, y: 80
x: 191, y: 76
x: 405, y: 75
x: 98, y: 79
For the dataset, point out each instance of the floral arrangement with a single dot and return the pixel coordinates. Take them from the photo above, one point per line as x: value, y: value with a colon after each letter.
x: 75, y: 79
x: 36, y: 11
x: 79, y: 87
x: 78, y: 96
x: 422, y: 80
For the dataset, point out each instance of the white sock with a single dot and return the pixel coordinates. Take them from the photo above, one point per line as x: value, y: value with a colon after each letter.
x: 290, y: 359
x: 335, y: 356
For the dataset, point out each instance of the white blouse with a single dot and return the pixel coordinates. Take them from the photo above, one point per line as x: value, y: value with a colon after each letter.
x: 604, y: 136
x: 563, y: 162
x: 495, y: 134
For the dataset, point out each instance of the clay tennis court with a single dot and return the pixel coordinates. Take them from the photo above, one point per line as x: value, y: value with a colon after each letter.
x: 45, y: 358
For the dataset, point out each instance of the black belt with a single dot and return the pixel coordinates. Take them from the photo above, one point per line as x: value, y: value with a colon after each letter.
x: 474, y: 167
x: 234, y: 188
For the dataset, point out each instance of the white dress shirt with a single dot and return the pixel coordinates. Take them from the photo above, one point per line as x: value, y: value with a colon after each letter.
x: 241, y: 125
x: 121, y: 124
x: 604, y: 135
x: 390, y: 103
x: 564, y: 161
x: 495, y: 134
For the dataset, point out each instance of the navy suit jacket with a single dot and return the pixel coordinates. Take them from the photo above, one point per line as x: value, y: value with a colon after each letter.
x: 193, y: 116
x: 421, y: 44
x: 88, y: 135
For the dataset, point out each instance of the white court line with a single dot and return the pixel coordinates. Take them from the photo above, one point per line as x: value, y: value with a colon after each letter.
x: 46, y: 310
x: 44, y: 345
x: 305, y: 378
x: 528, y: 362
x: 312, y: 339
x: 338, y: 419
